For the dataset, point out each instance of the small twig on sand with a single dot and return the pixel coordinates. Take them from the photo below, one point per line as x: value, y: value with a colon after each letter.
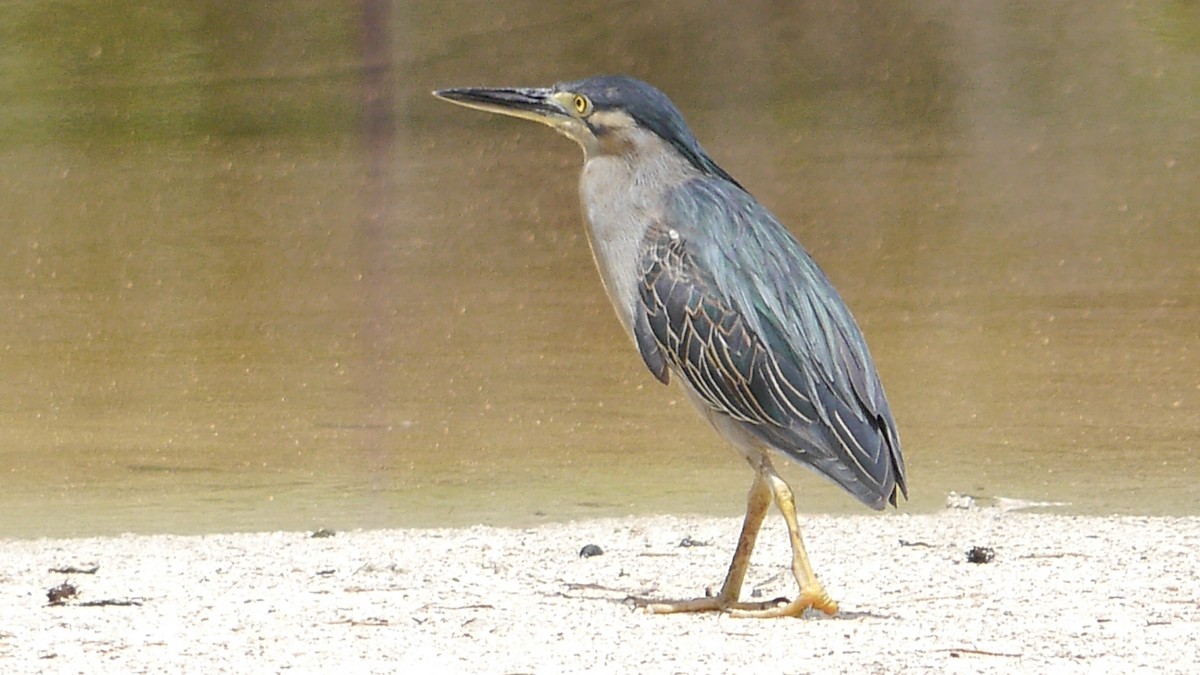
x: 110, y: 603
x: 71, y: 569
x: 981, y: 652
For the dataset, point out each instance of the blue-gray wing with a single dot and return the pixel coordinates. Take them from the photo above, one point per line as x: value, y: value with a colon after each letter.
x: 732, y: 303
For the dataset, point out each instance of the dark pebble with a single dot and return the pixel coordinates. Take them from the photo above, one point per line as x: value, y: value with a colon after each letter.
x: 590, y: 551
x: 61, y: 593
x: 980, y: 555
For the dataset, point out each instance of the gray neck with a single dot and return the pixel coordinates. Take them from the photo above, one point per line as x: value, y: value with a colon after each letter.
x: 622, y: 196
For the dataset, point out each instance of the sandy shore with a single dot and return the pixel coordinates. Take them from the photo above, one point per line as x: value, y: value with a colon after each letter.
x: 1062, y: 594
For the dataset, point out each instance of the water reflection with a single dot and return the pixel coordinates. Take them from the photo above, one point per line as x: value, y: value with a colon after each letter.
x: 256, y: 277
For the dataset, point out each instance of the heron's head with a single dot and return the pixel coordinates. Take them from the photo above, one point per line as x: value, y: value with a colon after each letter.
x: 605, y: 115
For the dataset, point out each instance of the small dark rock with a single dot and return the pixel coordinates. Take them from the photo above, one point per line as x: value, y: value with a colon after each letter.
x: 61, y: 593
x: 323, y: 533
x: 980, y: 555
x: 590, y: 551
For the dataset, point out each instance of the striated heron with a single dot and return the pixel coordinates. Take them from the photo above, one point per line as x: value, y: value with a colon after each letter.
x: 716, y: 293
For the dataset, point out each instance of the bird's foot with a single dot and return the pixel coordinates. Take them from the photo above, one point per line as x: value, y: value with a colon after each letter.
x: 815, y: 598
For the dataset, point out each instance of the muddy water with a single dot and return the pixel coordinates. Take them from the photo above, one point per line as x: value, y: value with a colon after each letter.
x: 255, y: 277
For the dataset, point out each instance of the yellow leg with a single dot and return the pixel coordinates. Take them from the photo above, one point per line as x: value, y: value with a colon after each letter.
x: 767, y: 486
x: 812, y: 593
x: 756, y: 510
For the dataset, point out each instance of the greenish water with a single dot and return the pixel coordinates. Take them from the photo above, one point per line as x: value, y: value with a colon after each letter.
x: 255, y: 277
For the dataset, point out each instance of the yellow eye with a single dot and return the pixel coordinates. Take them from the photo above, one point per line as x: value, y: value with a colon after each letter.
x: 582, y: 105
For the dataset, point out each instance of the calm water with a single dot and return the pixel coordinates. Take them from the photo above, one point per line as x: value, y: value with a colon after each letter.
x: 255, y: 277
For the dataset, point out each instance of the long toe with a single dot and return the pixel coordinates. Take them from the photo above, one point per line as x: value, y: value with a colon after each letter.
x: 813, y: 598
x: 714, y: 603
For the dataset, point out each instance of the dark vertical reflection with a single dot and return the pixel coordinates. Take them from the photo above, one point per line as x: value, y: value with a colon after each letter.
x: 378, y: 134
x: 375, y: 42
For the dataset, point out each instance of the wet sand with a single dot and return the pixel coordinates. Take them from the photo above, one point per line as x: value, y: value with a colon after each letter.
x: 1061, y: 594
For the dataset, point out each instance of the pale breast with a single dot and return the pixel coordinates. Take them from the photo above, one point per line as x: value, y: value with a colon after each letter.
x: 621, y: 199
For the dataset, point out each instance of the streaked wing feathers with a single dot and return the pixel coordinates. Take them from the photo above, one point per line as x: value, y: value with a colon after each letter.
x: 734, y: 305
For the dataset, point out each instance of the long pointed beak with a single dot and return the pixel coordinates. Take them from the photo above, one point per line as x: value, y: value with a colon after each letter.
x: 538, y: 105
